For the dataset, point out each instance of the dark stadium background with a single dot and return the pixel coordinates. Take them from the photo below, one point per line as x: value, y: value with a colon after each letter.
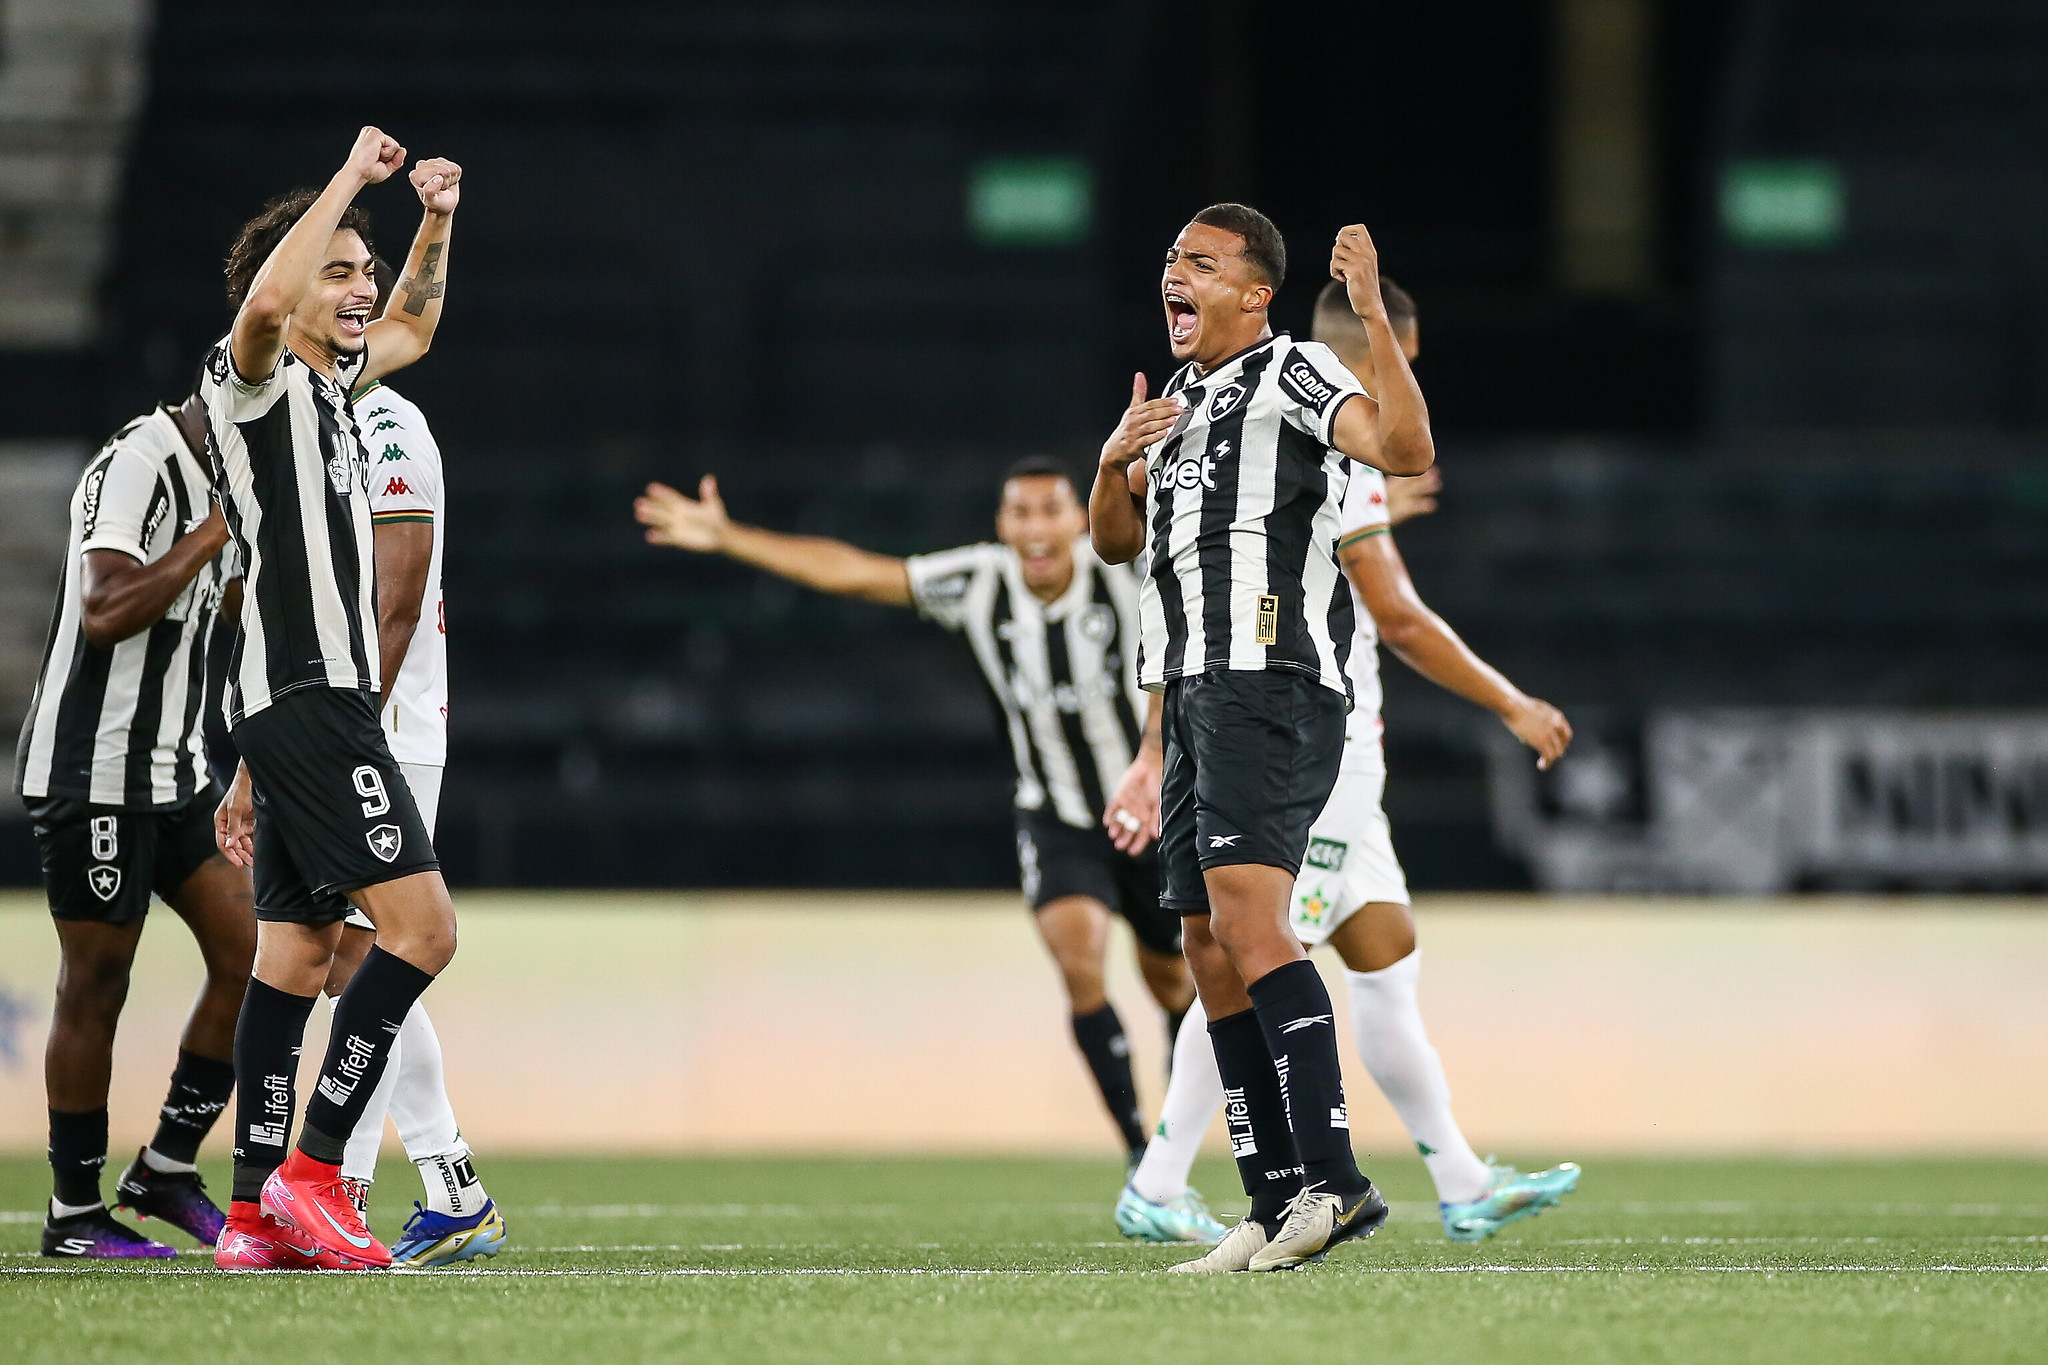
x: 733, y: 238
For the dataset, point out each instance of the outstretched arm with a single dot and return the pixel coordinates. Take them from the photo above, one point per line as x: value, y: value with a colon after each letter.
x: 1116, y: 519
x: 403, y: 334
x: 1388, y: 430
x: 1429, y: 646
x: 281, y: 284
x: 700, y: 525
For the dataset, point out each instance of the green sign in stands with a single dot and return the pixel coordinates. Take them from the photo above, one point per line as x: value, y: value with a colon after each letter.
x: 1035, y: 201
x: 1782, y: 203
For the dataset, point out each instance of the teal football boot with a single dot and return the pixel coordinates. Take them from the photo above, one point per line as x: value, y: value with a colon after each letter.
x: 432, y: 1239
x: 1509, y: 1195
x: 1184, y: 1218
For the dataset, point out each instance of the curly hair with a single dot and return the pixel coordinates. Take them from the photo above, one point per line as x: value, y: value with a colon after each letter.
x: 261, y: 234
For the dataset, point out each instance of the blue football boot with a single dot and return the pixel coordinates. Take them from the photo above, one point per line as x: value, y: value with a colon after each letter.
x: 432, y: 1239
x: 1509, y: 1195
x: 1184, y: 1218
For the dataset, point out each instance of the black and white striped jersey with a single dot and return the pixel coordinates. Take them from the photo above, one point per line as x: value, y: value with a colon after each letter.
x: 1241, y: 509
x: 1063, y: 673
x: 289, y: 468
x: 122, y: 725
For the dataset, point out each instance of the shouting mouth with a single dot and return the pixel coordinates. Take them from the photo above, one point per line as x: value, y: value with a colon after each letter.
x: 353, y: 320
x: 1180, y: 316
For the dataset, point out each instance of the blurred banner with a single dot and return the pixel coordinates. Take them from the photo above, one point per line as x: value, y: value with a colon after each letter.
x: 904, y: 1022
x: 1751, y: 802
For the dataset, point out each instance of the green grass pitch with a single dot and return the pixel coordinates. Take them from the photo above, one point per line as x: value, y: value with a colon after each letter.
x: 775, y: 1260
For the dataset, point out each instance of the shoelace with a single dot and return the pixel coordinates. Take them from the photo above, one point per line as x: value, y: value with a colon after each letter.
x: 1300, y: 1210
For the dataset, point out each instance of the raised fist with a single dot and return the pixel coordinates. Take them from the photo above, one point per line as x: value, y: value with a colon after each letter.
x: 375, y: 156
x: 437, y: 179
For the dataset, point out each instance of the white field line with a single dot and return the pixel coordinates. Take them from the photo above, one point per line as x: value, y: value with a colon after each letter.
x: 707, y: 1272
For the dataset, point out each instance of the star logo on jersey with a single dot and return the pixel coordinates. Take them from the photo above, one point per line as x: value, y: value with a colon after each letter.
x: 1098, y: 623
x: 105, y: 882
x: 1225, y: 402
x: 385, y: 841
x: 1313, y: 907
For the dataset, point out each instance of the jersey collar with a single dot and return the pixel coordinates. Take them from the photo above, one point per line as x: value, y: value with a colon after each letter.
x: 1189, y: 376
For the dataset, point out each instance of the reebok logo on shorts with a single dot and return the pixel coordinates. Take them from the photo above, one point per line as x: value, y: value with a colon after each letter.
x: 1223, y: 840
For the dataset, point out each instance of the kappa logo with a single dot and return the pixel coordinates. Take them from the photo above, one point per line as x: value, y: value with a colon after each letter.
x: 385, y: 841
x: 386, y: 425
x: 1225, y: 402
x: 391, y: 452
x: 1223, y: 840
x: 396, y: 486
x: 105, y: 882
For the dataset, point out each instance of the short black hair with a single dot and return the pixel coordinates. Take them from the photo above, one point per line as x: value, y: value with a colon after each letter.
x: 261, y: 234
x: 1042, y: 467
x: 1265, y: 250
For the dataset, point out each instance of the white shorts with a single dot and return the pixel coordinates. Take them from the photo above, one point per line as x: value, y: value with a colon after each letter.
x: 1350, y: 859
x: 425, y: 781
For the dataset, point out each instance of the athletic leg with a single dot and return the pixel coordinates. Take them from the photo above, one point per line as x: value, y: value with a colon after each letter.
x: 1075, y: 930
x: 78, y: 1061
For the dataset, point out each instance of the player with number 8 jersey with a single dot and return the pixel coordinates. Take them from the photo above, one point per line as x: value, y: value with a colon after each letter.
x: 319, y: 806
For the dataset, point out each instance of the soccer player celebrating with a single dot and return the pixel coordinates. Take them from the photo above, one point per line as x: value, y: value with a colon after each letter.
x: 1239, y: 473
x: 1351, y: 892
x: 319, y: 807
x: 112, y: 768
x: 1056, y: 634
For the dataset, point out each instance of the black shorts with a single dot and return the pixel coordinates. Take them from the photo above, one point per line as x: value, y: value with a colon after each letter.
x: 101, y: 862
x: 333, y: 812
x: 1058, y: 860
x: 1251, y: 759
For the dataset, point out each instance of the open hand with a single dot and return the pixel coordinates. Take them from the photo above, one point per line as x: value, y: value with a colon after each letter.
x: 1143, y: 423
x: 436, y: 179
x: 1131, y: 815
x: 1356, y: 261
x: 375, y: 156
x: 1414, y: 496
x: 672, y: 518
x: 1542, y: 727
x: 234, y: 822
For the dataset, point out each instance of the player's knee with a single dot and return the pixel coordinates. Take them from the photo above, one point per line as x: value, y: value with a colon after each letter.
x: 92, y: 990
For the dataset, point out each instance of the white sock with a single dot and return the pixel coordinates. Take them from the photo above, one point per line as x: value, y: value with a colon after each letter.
x: 1193, y: 1095
x: 157, y: 1161
x: 426, y: 1122
x: 1387, y: 1023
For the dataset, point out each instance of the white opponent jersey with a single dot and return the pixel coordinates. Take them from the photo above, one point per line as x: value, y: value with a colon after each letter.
x: 1241, y: 506
x: 122, y: 725
x: 406, y: 485
x: 290, y: 474
x: 1364, y: 514
x: 1063, y: 673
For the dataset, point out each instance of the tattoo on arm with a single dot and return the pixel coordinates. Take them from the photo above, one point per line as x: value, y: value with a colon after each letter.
x: 423, y: 288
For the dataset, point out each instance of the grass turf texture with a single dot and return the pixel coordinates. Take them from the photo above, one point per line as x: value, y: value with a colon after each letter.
x: 1016, y: 1260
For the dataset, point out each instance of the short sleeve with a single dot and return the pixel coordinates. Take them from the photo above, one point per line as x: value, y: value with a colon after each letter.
x: 1365, y: 506
x: 231, y: 398
x: 124, y: 502
x: 940, y: 583
x: 401, y: 483
x: 1313, y: 385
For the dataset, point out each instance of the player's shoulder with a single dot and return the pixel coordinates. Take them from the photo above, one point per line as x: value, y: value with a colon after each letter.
x: 139, y: 450
x: 382, y: 403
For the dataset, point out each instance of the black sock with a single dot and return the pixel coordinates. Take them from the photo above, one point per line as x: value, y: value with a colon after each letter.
x: 1174, y: 1019
x: 1299, y: 1022
x: 367, y: 1018
x: 1255, y: 1116
x: 200, y: 1087
x: 78, y: 1148
x: 1101, y: 1038
x: 268, y: 1037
